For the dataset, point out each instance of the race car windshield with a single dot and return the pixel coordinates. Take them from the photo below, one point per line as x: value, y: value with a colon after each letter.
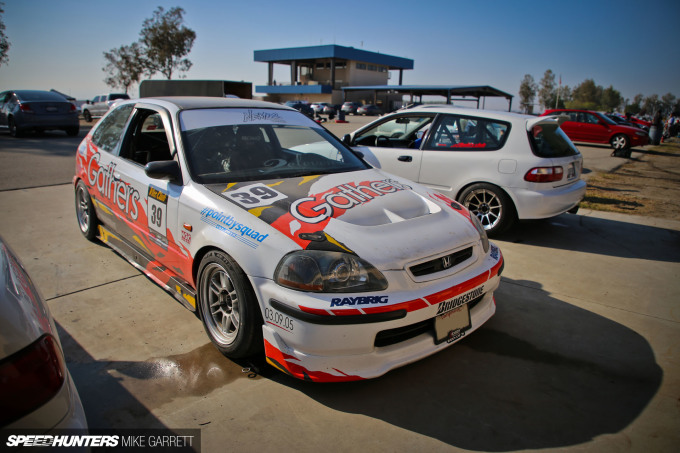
x: 221, y: 147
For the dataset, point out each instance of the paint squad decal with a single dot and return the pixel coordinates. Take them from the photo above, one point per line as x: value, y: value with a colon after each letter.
x: 308, y: 212
x: 229, y: 225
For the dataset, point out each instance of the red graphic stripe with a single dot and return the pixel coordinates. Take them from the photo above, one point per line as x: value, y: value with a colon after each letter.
x: 296, y: 370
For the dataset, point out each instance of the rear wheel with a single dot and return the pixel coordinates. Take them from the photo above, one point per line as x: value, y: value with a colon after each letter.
x: 87, y: 116
x: 13, y: 130
x: 491, y: 205
x: 72, y: 131
x: 228, y: 307
x: 87, y: 218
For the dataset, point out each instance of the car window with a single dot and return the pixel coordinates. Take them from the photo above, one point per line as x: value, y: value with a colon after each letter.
x: 549, y: 140
x: 590, y: 118
x: 230, y: 145
x: 109, y: 130
x: 396, y: 132
x: 458, y: 132
x: 146, y: 141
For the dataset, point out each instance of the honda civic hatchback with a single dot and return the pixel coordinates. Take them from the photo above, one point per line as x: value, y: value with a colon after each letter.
x: 282, y: 239
x: 501, y: 166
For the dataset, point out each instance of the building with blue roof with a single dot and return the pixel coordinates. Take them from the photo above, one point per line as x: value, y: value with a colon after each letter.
x: 319, y: 73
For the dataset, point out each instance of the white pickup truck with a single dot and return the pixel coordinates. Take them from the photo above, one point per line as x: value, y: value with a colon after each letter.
x: 97, y: 107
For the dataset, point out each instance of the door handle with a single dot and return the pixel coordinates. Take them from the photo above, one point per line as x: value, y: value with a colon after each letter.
x: 405, y: 159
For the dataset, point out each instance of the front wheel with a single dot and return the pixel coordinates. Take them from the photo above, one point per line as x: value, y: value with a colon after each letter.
x: 228, y: 307
x: 87, y: 116
x: 620, y: 142
x: 491, y: 205
x: 87, y: 218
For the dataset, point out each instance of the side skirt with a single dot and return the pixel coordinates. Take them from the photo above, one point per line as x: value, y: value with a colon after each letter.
x: 177, y: 288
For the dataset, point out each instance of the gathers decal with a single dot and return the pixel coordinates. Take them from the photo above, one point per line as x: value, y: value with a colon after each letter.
x: 116, y: 190
x: 305, y: 217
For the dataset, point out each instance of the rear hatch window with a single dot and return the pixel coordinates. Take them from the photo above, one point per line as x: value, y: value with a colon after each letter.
x: 549, y: 140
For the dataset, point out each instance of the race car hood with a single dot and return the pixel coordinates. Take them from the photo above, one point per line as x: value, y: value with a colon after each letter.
x: 384, y: 219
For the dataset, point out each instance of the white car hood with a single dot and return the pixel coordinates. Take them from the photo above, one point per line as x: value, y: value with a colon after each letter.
x: 386, y: 220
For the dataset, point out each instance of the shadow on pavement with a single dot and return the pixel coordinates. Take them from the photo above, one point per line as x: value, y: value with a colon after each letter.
x: 562, y: 379
x: 608, y: 237
x: 106, y: 402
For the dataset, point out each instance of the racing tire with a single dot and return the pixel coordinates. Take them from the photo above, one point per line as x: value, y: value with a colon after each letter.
x: 620, y: 142
x: 87, y: 116
x: 85, y: 214
x: 228, y: 307
x: 491, y: 205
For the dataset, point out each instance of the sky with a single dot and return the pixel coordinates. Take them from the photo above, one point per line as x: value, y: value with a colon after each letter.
x: 633, y: 46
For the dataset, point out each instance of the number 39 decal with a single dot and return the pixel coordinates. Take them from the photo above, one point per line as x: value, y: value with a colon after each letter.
x: 157, y: 203
x: 254, y: 196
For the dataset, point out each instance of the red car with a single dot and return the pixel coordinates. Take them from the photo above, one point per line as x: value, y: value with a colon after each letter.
x: 593, y: 127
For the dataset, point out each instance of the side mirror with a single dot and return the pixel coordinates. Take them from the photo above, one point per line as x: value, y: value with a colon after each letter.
x: 347, y: 139
x: 164, y: 169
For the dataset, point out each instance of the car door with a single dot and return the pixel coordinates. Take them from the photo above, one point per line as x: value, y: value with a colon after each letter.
x: 153, y: 228
x: 459, y: 149
x: 594, y: 130
x: 393, y: 144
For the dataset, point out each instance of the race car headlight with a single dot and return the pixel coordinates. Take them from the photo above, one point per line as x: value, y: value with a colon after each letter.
x: 319, y: 271
x: 481, y: 231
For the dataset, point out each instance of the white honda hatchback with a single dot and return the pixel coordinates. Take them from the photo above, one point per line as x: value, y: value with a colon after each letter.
x: 502, y: 166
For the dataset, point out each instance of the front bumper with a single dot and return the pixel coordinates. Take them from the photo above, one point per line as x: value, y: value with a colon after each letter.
x: 376, y: 334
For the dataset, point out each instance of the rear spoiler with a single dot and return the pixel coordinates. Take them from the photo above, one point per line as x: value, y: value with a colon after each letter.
x: 551, y: 119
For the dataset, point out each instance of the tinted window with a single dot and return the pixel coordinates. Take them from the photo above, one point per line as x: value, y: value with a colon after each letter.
x: 118, y: 96
x: 111, y: 127
x: 457, y: 132
x: 40, y: 96
x: 549, y: 140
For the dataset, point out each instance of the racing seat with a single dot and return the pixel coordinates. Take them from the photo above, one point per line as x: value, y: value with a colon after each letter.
x: 252, y: 149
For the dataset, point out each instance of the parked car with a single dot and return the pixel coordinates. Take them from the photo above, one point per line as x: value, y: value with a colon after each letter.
x: 331, y: 109
x: 620, y: 120
x: 22, y: 111
x: 501, y: 166
x: 36, y: 388
x: 281, y: 238
x: 319, y: 107
x: 97, y: 107
x: 301, y: 107
x: 593, y: 127
x: 350, y: 108
x: 369, y: 110
x: 644, y: 125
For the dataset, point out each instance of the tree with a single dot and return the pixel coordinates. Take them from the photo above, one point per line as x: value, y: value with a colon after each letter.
x: 166, y: 41
x: 668, y: 103
x: 4, y: 41
x: 547, y: 94
x: 587, y: 95
x: 125, y: 66
x: 611, y: 99
x: 527, y: 93
x: 635, y: 107
x: 651, y: 105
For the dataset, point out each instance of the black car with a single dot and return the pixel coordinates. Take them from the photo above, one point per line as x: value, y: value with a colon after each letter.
x: 34, y: 110
x: 302, y: 107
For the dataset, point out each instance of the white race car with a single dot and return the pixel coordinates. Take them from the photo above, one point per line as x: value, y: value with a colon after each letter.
x: 281, y: 238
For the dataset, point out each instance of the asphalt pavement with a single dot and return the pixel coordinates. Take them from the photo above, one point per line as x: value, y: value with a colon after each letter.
x: 583, y: 353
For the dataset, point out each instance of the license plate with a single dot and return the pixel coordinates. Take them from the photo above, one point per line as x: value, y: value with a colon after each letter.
x: 571, y: 171
x: 51, y: 109
x: 452, y: 325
